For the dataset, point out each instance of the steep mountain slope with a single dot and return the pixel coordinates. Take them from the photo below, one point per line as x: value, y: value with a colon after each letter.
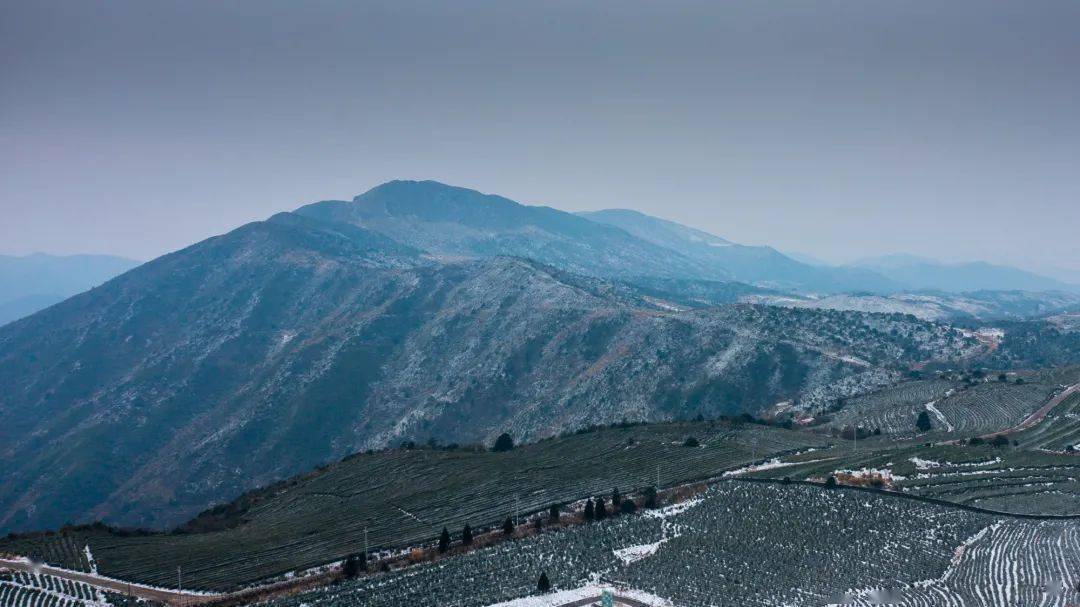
x: 34, y: 282
x: 921, y: 273
x: 451, y: 221
x: 763, y: 266
x: 286, y: 343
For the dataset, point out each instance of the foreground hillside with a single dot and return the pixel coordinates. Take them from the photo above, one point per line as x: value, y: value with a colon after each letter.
x: 753, y: 544
x: 984, y: 492
x: 291, y: 342
x: 405, y: 497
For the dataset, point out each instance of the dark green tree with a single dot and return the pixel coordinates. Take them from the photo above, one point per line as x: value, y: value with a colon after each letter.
x: 649, y: 495
x: 444, y: 541
x: 601, y: 509
x: 922, y: 423
x: 553, y: 514
x: 351, y: 568
x: 508, y: 526
x: 627, y: 506
x: 590, y: 510
x: 690, y: 442
x: 831, y: 481
x: 616, y: 501
x: 466, y: 536
x: 543, y: 584
x: 504, y: 443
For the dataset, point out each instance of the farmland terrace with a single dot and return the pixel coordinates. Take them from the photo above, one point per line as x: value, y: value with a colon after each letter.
x: 757, y: 544
x: 956, y: 409
x: 405, y: 497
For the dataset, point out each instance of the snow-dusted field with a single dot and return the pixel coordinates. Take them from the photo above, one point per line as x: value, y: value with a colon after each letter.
x: 19, y: 589
x: 755, y: 544
x: 1005, y: 563
x: 562, y: 597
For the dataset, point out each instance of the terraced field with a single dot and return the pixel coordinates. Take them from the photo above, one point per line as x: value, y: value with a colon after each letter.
x: 1007, y: 563
x: 756, y: 544
x: 955, y: 409
x: 61, y: 549
x: 875, y: 546
x: 37, y: 590
x: 894, y: 409
x: 989, y: 407
x: 749, y: 544
x: 406, y: 497
x: 1004, y: 479
x: 1058, y: 431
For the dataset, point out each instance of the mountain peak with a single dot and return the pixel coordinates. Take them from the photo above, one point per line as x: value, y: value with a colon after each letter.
x: 425, y: 186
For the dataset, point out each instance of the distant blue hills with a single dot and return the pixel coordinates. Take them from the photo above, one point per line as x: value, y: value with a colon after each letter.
x: 33, y: 282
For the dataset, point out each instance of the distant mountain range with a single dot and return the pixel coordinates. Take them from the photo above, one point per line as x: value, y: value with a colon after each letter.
x: 761, y: 266
x: 451, y: 221
x: 921, y: 273
x: 289, y: 342
x: 34, y: 282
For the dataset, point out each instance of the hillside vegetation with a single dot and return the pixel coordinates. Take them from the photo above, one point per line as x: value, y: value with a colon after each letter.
x: 287, y: 343
x: 406, y: 496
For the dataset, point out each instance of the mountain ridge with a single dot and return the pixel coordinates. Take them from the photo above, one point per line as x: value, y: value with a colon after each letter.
x: 293, y: 341
x: 921, y: 273
x: 449, y: 220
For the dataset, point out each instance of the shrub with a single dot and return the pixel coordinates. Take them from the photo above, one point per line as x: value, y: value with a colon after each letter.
x: 352, y: 566
x: 505, y: 442
x: 922, y: 423
x: 690, y: 442
x: 649, y: 495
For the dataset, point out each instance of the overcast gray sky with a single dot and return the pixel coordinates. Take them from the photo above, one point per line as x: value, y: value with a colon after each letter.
x: 839, y: 129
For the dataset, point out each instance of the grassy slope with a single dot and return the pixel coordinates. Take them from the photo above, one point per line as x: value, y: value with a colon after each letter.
x: 408, y: 496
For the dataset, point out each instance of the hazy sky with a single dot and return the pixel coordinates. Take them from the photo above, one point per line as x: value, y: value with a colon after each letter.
x: 840, y: 129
